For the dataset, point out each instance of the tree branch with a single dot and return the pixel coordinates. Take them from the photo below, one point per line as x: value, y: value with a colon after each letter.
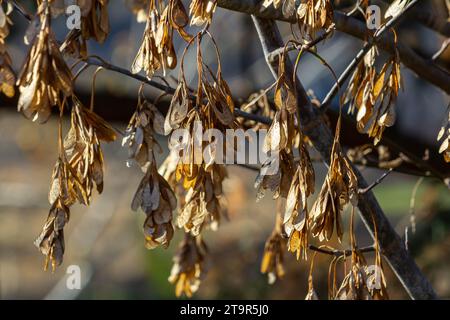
x: 391, y: 244
x: 425, y: 69
x: 339, y: 253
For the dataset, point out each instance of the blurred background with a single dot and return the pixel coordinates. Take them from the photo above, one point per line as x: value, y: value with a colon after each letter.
x: 106, y: 241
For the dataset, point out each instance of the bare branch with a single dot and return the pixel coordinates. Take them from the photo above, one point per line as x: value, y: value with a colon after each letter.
x: 377, y: 182
x: 339, y: 253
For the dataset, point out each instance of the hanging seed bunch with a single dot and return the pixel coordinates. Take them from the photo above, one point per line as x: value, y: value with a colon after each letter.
x: 7, y: 76
x: 201, y: 176
x: 51, y: 240
x: 340, y: 187
x: 359, y: 284
x: 273, y: 257
x: 373, y: 94
x: 154, y: 195
x: 45, y: 77
x: 202, y: 11
x: 277, y: 182
x: 95, y: 24
x: 190, y: 266
x: 146, y: 122
x: 157, y: 50
x: 282, y: 135
x: 82, y: 148
x: 78, y: 170
x: 444, y: 137
x: 296, y: 217
x: 314, y: 15
x: 294, y: 179
x: 272, y: 262
x: 354, y: 285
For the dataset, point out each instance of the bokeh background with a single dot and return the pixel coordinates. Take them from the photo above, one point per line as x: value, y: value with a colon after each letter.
x: 106, y: 240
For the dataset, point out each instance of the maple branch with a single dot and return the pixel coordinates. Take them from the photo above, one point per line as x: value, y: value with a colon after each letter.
x: 425, y: 69
x: 339, y: 253
x: 376, y: 182
x: 405, y: 268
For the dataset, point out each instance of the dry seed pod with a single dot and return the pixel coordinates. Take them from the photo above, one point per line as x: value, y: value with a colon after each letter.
x: 201, y: 178
x: 340, y: 187
x: 139, y: 138
x: 278, y: 182
x: 202, y: 206
x: 95, y: 24
x: 189, y: 267
x: 51, y: 240
x: 314, y: 15
x: 83, y: 151
x: 154, y: 195
x: 374, y: 94
x: 45, y: 76
x: 354, y: 285
x: 272, y: 261
x: 201, y: 11
x: 362, y: 282
x: 157, y: 49
x: 157, y: 200
x: 66, y: 186
x: 296, y: 217
x: 282, y: 136
x: 288, y: 6
x: 148, y: 58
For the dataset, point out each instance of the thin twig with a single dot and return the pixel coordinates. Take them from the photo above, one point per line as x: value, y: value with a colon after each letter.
x: 377, y: 182
x: 274, y: 54
x: 339, y: 253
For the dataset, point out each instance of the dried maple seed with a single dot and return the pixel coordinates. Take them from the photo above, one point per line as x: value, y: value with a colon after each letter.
x: 154, y: 195
x: 314, y: 15
x: 340, y: 187
x: 189, y: 266
x: 45, y: 76
x: 201, y: 11
x: 272, y: 261
x: 373, y: 94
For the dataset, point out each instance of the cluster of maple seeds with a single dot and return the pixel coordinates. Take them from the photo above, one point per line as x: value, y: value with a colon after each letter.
x: 312, y: 15
x: 46, y: 81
